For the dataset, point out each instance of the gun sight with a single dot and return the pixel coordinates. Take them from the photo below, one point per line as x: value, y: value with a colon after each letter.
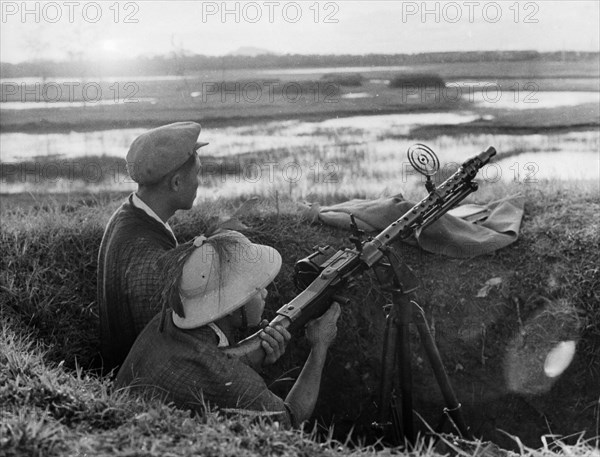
x: 486, y: 155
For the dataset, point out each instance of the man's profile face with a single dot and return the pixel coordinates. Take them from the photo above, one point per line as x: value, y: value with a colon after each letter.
x: 254, y: 308
x: 189, y: 186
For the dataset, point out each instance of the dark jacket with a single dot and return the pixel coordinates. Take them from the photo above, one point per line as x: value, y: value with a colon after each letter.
x: 128, y: 278
x: 187, y: 368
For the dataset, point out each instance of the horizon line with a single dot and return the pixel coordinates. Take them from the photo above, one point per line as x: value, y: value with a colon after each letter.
x: 274, y: 54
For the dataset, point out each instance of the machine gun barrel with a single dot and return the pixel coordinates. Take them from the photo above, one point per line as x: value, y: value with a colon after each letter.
x: 431, y: 208
x: 348, y: 263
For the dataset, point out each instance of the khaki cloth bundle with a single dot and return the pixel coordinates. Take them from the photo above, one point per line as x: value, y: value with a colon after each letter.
x: 463, y: 232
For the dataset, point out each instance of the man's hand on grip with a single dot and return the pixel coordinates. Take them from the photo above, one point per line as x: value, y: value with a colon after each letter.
x: 321, y: 332
x: 274, y: 341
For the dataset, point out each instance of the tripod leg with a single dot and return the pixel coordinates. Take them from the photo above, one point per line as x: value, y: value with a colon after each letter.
x: 453, y: 406
x: 405, y: 318
x: 390, y: 345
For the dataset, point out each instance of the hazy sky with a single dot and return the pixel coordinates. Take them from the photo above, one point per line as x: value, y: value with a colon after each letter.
x: 104, y: 30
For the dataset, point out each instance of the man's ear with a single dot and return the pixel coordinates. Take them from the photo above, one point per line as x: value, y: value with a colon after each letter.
x: 175, y: 182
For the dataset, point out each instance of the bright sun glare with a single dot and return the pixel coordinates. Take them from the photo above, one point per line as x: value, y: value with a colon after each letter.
x: 109, y: 45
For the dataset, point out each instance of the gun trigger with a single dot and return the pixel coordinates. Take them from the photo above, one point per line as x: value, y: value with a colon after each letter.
x: 341, y: 299
x: 357, y: 234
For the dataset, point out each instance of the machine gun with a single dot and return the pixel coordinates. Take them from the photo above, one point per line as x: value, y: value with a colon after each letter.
x: 325, y: 273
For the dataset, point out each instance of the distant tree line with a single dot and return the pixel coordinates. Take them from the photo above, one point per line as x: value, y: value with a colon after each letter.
x: 172, y: 64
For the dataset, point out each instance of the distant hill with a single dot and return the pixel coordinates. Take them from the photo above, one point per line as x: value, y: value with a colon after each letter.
x: 253, y: 58
x: 249, y: 51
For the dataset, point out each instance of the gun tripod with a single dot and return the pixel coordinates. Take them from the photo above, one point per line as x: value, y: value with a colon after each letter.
x: 397, y: 356
x: 323, y: 272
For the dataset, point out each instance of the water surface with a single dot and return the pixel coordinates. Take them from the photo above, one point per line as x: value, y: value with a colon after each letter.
x: 363, y: 155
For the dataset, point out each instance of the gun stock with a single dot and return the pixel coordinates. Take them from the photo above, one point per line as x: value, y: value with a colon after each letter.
x: 311, y: 303
x: 346, y: 264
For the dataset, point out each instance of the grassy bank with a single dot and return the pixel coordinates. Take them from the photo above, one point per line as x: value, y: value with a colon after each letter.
x: 55, y: 405
x: 49, y: 411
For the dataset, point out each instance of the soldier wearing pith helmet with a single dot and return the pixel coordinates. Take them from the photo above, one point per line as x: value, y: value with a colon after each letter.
x: 164, y: 163
x: 181, y: 356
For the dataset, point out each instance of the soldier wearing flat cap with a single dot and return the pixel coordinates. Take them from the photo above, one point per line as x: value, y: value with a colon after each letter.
x: 165, y: 165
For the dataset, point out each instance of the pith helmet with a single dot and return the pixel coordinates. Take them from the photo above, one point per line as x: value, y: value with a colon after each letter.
x: 213, y: 285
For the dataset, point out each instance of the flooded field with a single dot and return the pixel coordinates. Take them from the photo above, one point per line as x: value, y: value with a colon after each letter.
x: 359, y: 155
x: 541, y: 117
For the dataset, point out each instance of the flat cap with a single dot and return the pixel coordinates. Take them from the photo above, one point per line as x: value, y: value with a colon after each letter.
x: 157, y: 152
